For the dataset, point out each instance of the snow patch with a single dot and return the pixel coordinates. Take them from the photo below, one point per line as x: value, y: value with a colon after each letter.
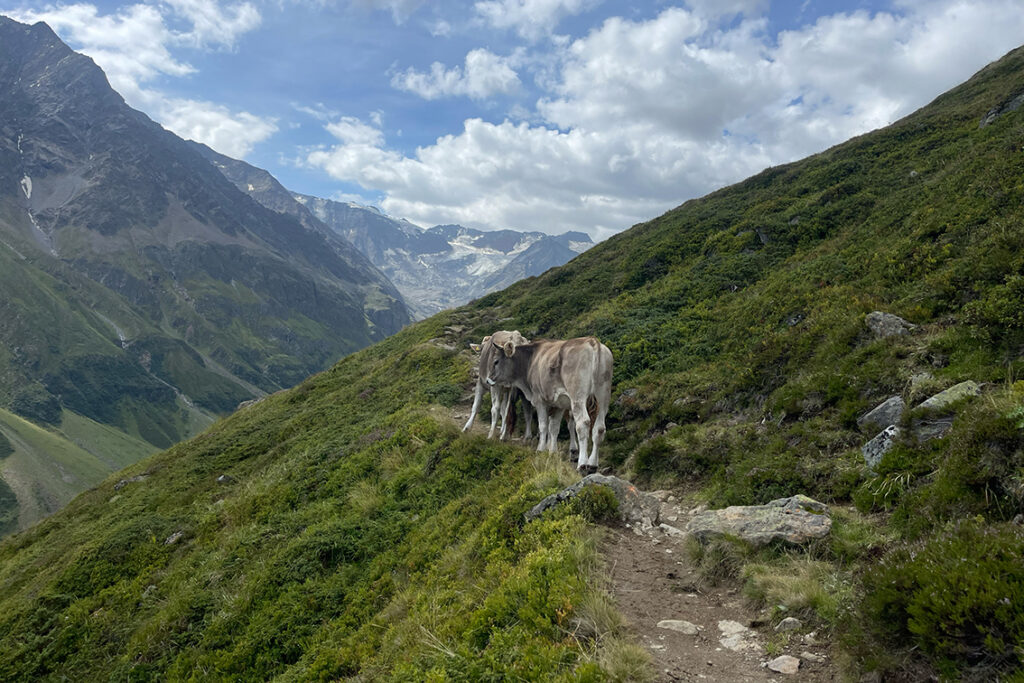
x: 251, y: 188
x: 580, y: 247
x: 26, y: 187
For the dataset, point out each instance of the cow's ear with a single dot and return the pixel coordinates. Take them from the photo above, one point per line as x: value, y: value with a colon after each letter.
x: 510, y: 348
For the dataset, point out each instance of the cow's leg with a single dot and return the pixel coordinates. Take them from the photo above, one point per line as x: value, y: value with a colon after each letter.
x: 554, y: 425
x: 497, y: 396
x: 477, y: 396
x: 598, y: 428
x: 542, y: 425
x: 574, y: 444
x: 528, y: 418
x: 507, y: 407
x: 582, y: 427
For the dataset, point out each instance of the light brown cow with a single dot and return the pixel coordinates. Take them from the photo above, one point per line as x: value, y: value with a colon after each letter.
x: 502, y: 396
x: 556, y: 376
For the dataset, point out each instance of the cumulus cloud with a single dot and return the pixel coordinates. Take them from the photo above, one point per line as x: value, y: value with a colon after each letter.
x: 641, y: 115
x: 531, y: 19
x: 484, y: 74
x: 134, y: 47
x: 213, y: 24
x: 229, y: 132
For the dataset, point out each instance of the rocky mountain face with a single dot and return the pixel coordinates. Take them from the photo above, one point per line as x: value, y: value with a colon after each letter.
x: 139, y: 289
x: 434, y: 269
x: 446, y: 265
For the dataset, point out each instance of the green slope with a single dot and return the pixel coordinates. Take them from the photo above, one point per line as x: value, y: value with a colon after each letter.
x: 360, y: 535
x: 46, y: 468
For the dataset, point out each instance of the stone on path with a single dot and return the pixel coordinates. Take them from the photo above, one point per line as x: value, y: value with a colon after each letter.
x: 679, y: 625
x: 737, y: 637
x: 784, y: 664
x: 797, y: 519
x: 672, y: 531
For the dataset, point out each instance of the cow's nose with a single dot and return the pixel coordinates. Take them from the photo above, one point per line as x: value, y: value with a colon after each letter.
x: 490, y: 381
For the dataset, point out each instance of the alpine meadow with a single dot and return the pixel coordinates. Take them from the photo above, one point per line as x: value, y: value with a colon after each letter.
x: 346, y: 529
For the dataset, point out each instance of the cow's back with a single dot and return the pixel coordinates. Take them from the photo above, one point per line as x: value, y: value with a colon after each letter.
x: 561, y: 370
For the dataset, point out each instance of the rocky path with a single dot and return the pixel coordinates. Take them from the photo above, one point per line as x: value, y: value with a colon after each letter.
x: 693, y: 631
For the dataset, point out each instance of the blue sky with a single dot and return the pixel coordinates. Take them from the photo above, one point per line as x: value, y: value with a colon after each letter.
x: 545, y: 115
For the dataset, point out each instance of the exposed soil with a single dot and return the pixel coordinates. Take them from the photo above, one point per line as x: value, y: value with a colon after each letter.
x: 653, y: 579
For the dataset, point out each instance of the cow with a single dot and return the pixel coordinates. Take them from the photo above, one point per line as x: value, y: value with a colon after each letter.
x: 502, y: 396
x: 556, y: 376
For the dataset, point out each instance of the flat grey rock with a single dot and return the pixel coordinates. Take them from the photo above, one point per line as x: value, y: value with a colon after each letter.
x: 785, y: 664
x: 797, y: 519
x: 679, y: 625
x: 881, y: 416
x: 954, y: 394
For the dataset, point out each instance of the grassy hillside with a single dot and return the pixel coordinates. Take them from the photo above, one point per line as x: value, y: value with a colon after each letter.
x: 358, y: 534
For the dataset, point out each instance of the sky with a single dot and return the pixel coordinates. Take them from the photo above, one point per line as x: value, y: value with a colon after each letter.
x: 550, y: 115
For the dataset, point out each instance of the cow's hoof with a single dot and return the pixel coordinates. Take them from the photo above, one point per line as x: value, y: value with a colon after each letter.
x: 586, y: 469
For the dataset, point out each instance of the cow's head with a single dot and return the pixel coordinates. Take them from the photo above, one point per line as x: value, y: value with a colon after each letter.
x: 502, y: 348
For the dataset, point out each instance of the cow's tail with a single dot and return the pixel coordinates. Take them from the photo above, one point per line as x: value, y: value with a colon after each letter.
x: 477, y: 398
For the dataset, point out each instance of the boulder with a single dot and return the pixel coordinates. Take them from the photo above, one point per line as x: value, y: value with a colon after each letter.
x: 796, y: 520
x: 888, y: 325
x: 634, y: 504
x: 944, y: 399
x: 884, y: 414
x: 880, y: 445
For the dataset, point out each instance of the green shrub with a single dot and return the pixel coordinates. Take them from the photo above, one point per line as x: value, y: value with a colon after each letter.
x: 956, y: 597
x: 596, y: 504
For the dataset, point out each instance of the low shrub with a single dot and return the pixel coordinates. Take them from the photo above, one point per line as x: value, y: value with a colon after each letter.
x: 956, y: 597
x: 596, y: 504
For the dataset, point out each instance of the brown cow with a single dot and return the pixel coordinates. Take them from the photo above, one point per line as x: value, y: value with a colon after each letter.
x: 556, y: 376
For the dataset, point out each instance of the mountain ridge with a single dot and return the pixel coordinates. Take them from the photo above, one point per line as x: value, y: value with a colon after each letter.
x: 445, y: 265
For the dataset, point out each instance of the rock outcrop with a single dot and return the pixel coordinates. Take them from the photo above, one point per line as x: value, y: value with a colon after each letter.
x: 888, y: 325
x: 880, y: 445
x: 634, y: 505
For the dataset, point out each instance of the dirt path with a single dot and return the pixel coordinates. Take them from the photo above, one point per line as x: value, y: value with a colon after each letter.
x: 653, y: 580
